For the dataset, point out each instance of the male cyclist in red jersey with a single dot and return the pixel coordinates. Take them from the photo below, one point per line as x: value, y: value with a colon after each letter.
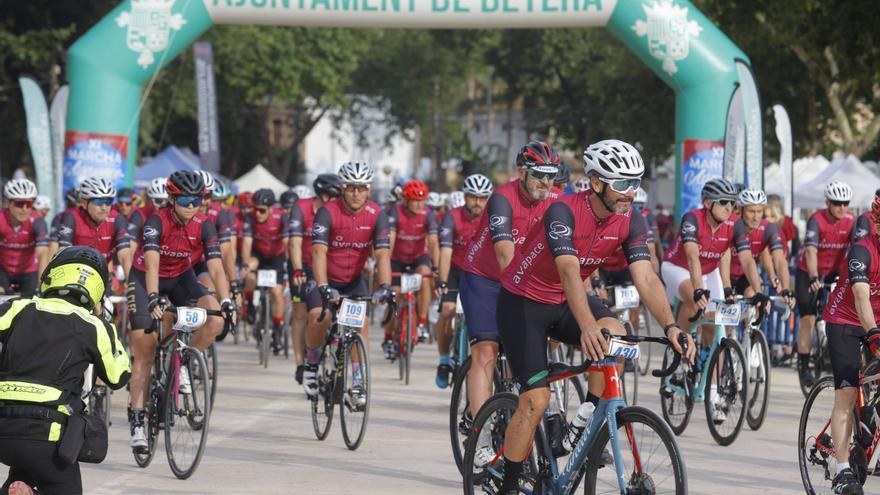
x: 94, y: 224
x: 852, y: 310
x: 456, y: 232
x: 640, y: 201
x: 863, y: 227
x: 542, y: 292
x: 70, y: 205
x: 223, y: 225
x: 415, y: 249
x: 172, y: 238
x: 157, y: 198
x: 344, y: 232
x: 828, y: 236
x: 264, y: 246
x: 302, y: 216
x: 511, y: 211
x: 125, y: 202
x: 24, y: 239
x: 42, y: 205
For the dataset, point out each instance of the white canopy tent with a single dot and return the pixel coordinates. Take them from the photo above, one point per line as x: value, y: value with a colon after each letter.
x: 804, y: 169
x: 850, y: 170
x: 259, y: 178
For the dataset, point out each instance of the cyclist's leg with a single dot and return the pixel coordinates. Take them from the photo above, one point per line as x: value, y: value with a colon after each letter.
x: 447, y: 312
x: 679, y: 286
x: 479, y: 297
x: 299, y: 319
x: 844, y: 347
x: 388, y: 342
x: 314, y: 340
x: 143, y: 350
x: 277, y: 294
x: 807, y: 305
x: 569, y: 331
x: 204, y: 278
x: 188, y: 288
x: 423, y: 267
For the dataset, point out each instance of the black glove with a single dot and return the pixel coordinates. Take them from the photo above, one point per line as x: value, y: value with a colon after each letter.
x: 701, y: 293
x: 153, y: 300
x: 786, y: 293
x: 441, y: 286
x: 760, y: 299
x: 227, y: 306
x: 728, y: 294
x: 235, y: 288
x: 328, y: 293
x: 383, y: 294
x: 596, y: 282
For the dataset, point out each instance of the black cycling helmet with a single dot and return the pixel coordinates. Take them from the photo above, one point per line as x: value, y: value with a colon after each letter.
x: 328, y: 184
x: 288, y: 198
x: 563, y: 176
x: 186, y: 183
x: 79, y: 271
x: 264, y: 197
x: 718, y: 189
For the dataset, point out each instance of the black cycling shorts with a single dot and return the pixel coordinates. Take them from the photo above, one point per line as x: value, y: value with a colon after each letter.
x: 844, y: 346
x: 180, y: 290
x: 452, y: 282
x: 807, y: 302
x: 355, y: 288
x: 525, y: 324
x: 27, y: 282
x: 400, y: 267
x: 271, y: 263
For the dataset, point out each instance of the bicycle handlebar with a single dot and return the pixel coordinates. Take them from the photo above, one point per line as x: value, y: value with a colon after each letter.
x: 390, y: 311
x: 227, y: 318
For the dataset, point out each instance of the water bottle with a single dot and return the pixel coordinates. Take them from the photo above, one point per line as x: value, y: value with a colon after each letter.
x: 584, y: 415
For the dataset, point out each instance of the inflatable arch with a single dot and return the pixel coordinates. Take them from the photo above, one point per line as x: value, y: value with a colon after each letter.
x: 110, y: 64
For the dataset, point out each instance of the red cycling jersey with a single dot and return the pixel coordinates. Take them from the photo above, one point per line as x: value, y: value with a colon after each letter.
x: 863, y: 266
x: 302, y: 216
x: 830, y: 237
x: 618, y: 260
x: 412, y: 231
x: 107, y: 237
x: 766, y: 235
x: 349, y: 237
x: 179, y: 245
x: 268, y: 236
x: 787, y: 233
x: 53, y: 232
x: 571, y: 227
x: 456, y: 231
x: 695, y: 228
x: 509, y: 215
x: 17, y: 244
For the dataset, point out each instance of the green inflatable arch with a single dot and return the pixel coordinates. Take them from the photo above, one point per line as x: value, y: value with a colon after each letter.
x: 109, y: 66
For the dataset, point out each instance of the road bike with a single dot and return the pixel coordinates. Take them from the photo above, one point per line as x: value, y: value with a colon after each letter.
x: 406, y: 333
x: 264, y: 326
x: 820, y: 359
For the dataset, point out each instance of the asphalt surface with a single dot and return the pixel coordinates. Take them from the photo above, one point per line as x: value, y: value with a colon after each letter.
x: 261, y: 439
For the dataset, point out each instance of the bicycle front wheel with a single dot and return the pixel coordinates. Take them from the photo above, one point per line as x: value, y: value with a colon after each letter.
x: 143, y: 457
x: 644, y: 348
x: 187, y: 413
x: 355, y: 406
x: 759, y: 380
x: 816, y: 451
x: 676, y: 396
x: 725, y: 409
x: 649, y: 457
x: 322, y: 404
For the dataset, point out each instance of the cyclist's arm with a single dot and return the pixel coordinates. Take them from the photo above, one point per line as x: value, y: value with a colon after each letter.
x: 689, y: 233
x: 41, y: 239
x: 322, y: 227
x: 285, y: 234
x: 433, y: 239
x: 123, y: 244
x: 295, y: 230
x: 295, y: 252
x: 811, y: 247
x: 213, y: 260
x: 152, y: 235
x: 858, y: 264
x: 724, y: 267
x: 151, y: 263
x: 445, y: 263
x: 654, y: 249
x: 391, y: 216
x: 862, y: 296
x: 501, y: 229
x: 447, y: 239
x: 383, y: 265
x: 113, y: 366
x: 319, y: 263
x: 569, y: 269
x: 227, y: 260
x: 247, y: 241
x: 382, y: 249
x: 781, y: 265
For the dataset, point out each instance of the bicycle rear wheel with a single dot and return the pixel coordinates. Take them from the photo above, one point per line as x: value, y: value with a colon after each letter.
x: 458, y: 405
x: 652, y: 462
x: 211, y: 361
x: 187, y: 414
x: 266, y: 331
x: 725, y: 412
x: 644, y: 348
x: 677, y: 396
x: 354, y: 409
x: 99, y: 403
x: 322, y: 404
x: 816, y: 458
x: 759, y: 380
x: 411, y: 336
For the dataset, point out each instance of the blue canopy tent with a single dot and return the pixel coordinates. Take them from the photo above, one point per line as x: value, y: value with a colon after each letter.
x: 169, y: 160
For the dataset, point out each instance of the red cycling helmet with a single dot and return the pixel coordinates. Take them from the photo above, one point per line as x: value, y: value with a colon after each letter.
x: 415, y: 190
x: 246, y: 199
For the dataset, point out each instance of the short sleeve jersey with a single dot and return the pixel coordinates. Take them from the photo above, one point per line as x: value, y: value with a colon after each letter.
x: 572, y: 228
x: 268, y: 236
x: 788, y: 232
x: 17, y: 244
x: 863, y: 266
x: 53, y: 231
x: 456, y: 231
x: 695, y: 228
x: 179, y: 244
x: 863, y: 227
x: 349, y: 236
x: 302, y: 216
x: 509, y: 215
x: 830, y: 237
x: 765, y: 236
x: 107, y: 237
x: 618, y: 259
x: 411, y: 232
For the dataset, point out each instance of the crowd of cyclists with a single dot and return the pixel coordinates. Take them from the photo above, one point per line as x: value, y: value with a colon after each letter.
x: 528, y: 260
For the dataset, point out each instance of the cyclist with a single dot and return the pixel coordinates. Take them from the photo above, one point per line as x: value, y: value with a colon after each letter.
x: 288, y: 199
x: 24, y: 239
x: 302, y: 191
x: 125, y: 202
x: 852, y: 310
x: 863, y: 227
x: 226, y: 228
x: 581, y: 184
x: 414, y: 248
x: 563, y: 177
x: 157, y: 198
x: 70, y: 205
x: 42, y: 205
x: 302, y: 216
x: 456, y: 232
x: 48, y: 342
x: 640, y: 202
x: 511, y: 211
x: 343, y: 233
x: 434, y: 201
x: 94, y: 224
x: 264, y: 245
x: 543, y: 295
x: 825, y: 244
x: 172, y: 238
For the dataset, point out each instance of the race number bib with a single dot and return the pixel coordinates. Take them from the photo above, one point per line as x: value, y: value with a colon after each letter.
x: 410, y: 282
x: 622, y: 349
x: 728, y: 315
x: 352, y: 313
x: 267, y: 278
x: 190, y: 319
x: 626, y: 297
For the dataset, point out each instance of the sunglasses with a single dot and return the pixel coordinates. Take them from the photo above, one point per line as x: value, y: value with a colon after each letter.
x: 725, y: 202
x: 262, y: 210
x: 542, y: 176
x: 622, y: 186
x: 357, y: 187
x: 159, y: 203
x: 23, y: 203
x: 187, y: 201
x: 101, y: 201
x: 839, y: 203
x: 124, y: 201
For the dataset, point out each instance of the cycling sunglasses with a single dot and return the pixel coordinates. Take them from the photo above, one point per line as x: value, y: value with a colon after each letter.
x: 187, y: 201
x: 622, y: 186
x: 542, y: 176
x: 839, y: 203
x: 261, y: 210
x: 101, y: 201
x: 725, y: 202
x: 159, y: 203
x: 23, y: 203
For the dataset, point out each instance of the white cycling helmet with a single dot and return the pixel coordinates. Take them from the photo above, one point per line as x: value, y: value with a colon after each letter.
x: 156, y: 190
x: 356, y: 173
x: 748, y: 197
x: 641, y: 197
x: 477, y: 185
x: 582, y: 184
x: 456, y: 199
x: 42, y: 203
x: 434, y: 200
x: 20, y: 189
x: 95, y: 188
x: 838, y: 191
x: 613, y: 159
x: 303, y: 191
x: 209, y: 180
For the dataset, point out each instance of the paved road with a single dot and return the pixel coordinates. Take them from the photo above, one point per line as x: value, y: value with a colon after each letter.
x: 261, y: 440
